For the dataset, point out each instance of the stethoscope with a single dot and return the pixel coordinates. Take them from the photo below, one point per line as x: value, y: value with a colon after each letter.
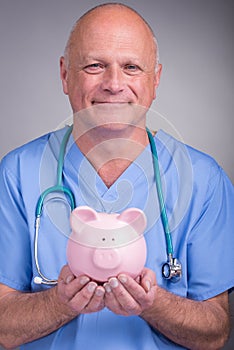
x: 171, y: 270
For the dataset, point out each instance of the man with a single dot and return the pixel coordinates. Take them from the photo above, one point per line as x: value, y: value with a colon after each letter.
x: 110, y: 65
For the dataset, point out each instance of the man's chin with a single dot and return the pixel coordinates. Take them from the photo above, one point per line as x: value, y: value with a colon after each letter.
x: 111, y: 117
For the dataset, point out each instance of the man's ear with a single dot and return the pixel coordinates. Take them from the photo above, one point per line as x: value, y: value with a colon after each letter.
x: 63, y: 74
x: 157, y: 76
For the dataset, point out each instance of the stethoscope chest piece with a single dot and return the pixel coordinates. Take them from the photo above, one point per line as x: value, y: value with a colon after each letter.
x: 172, y: 270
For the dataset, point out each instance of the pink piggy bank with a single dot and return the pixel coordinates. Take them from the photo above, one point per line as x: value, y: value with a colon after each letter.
x: 103, y: 245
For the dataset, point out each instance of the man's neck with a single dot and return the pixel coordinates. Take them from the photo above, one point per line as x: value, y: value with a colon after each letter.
x: 111, y: 152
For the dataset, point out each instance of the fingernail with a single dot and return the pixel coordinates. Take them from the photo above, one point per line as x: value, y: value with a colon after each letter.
x: 107, y: 287
x: 122, y: 278
x: 113, y: 282
x: 148, y: 285
x: 84, y: 280
x: 69, y: 279
x: 91, y: 287
x: 99, y: 292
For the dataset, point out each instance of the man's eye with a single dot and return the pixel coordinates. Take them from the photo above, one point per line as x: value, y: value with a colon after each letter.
x: 132, y: 69
x: 94, y: 68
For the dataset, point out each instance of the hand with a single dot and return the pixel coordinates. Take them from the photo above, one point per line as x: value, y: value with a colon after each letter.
x: 79, y: 295
x: 125, y: 296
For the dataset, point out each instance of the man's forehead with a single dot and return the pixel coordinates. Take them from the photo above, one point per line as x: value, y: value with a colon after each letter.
x: 113, y: 32
x: 111, y: 14
x: 115, y: 22
x: 121, y: 38
x: 125, y: 31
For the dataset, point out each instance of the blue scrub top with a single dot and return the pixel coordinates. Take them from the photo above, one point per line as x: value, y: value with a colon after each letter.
x: 199, y: 202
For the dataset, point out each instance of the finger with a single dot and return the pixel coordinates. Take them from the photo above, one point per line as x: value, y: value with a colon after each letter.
x: 125, y: 299
x: 69, y: 285
x: 66, y: 274
x: 76, y: 285
x: 97, y: 301
x: 72, y: 296
x: 81, y: 299
x: 138, y: 279
x: 132, y: 287
x: 148, y: 279
x: 111, y: 302
x: 143, y: 297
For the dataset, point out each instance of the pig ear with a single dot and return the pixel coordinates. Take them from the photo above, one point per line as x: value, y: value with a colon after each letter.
x: 134, y: 217
x: 82, y: 215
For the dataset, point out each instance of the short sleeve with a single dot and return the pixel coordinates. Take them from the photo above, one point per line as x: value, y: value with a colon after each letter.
x: 211, y: 241
x: 15, y: 255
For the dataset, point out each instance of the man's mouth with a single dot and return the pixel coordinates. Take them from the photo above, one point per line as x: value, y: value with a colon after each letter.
x: 109, y: 102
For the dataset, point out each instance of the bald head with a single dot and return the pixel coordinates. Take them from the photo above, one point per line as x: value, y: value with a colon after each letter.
x: 110, y: 57
x: 111, y: 16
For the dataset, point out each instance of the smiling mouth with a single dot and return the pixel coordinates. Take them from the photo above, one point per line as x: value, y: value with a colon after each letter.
x: 110, y: 102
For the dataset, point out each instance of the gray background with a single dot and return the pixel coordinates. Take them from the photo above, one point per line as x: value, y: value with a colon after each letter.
x: 196, y: 91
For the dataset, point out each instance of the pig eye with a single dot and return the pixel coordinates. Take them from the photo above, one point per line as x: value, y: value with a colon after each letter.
x: 103, y: 239
x: 113, y: 239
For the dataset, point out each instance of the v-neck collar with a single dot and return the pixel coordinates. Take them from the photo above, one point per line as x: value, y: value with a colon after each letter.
x: 112, y: 198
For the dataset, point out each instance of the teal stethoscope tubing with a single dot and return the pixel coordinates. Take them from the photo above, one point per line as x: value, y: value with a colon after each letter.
x: 172, y: 264
x: 58, y: 187
x: 160, y: 195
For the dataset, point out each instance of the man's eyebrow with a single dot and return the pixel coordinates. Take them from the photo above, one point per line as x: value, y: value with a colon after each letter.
x: 105, y: 59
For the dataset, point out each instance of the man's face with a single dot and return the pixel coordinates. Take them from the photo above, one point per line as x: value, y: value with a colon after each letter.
x: 111, y: 62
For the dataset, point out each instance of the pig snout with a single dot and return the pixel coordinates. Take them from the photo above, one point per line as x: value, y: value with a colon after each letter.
x: 106, y: 258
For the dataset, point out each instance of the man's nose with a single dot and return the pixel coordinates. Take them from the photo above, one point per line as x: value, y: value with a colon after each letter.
x: 113, y: 80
